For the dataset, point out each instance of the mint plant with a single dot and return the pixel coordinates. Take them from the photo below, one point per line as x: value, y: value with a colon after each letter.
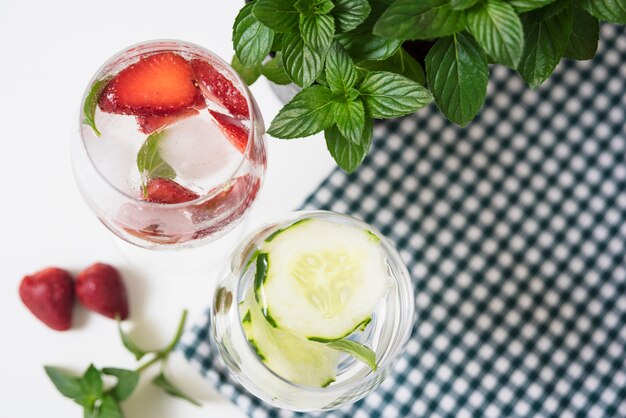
x: 98, y: 401
x: 349, y: 57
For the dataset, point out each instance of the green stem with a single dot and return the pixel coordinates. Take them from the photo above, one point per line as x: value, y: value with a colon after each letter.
x: 155, y: 359
x: 179, y: 333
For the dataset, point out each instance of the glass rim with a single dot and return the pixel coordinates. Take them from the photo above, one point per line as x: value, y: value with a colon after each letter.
x: 171, y: 44
x: 401, y: 340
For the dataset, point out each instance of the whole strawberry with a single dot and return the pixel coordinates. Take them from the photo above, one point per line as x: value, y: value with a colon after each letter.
x: 49, y: 295
x: 100, y: 289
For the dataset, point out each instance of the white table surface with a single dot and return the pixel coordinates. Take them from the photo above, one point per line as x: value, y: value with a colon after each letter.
x: 50, y: 49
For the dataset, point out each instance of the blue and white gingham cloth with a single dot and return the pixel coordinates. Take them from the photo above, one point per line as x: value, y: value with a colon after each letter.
x: 514, y: 230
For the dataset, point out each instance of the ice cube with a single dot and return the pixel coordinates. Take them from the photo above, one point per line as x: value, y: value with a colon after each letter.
x: 199, y: 152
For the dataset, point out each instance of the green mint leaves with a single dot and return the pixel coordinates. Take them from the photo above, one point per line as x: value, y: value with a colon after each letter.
x: 498, y: 30
x: 163, y: 382
x: 457, y: 75
x: 607, y: 10
x: 302, y: 63
x: 583, y: 40
x: 127, y: 381
x: 344, y: 110
x: 349, y: 14
x: 252, y: 39
x: 348, y: 57
x: 309, y: 112
x: 88, y: 389
x: 424, y: 19
x: 279, y: 15
x: 91, y: 102
x: 545, y: 43
x: 356, y: 350
x: 349, y: 155
x: 98, y: 401
x: 149, y: 161
x: 389, y: 95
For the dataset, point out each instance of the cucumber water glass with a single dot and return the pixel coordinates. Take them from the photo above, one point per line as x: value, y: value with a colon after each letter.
x: 280, y: 277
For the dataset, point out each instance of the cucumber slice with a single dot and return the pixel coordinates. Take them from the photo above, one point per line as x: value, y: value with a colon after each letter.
x: 293, y: 358
x: 322, y: 280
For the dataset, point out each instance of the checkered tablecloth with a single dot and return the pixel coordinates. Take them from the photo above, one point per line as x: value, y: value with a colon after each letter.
x: 514, y: 230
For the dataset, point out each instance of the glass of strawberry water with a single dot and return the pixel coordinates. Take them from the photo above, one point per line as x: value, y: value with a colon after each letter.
x: 171, y: 152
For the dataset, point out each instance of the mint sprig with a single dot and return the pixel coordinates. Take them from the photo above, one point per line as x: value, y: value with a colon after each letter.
x: 91, y: 103
x: 356, y: 350
x: 88, y: 390
x: 150, y: 163
x: 352, y: 54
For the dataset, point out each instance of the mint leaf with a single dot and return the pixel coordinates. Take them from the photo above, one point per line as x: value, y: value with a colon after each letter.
x: 309, y: 112
x: 545, y: 43
x: 349, y: 14
x: 109, y: 408
x: 130, y: 344
x: 277, y: 44
x: 274, y: 70
x: 462, y: 4
x: 69, y: 386
x: 389, y: 95
x: 607, y: 10
x: 317, y: 31
x: 356, y: 350
x: 91, y: 103
x: 310, y: 7
x: 583, y: 41
x: 350, y: 117
x: 149, y: 161
x: 347, y: 154
x: 91, y: 386
x: 126, y: 382
x: 279, y: 15
x: 498, y: 30
x: 302, y: 63
x: 528, y: 5
x: 340, y: 72
x: 251, y: 38
x: 249, y: 74
x: 90, y: 412
x: 400, y: 62
x: 362, y: 44
x: 424, y: 19
x: 457, y: 74
x: 162, y: 382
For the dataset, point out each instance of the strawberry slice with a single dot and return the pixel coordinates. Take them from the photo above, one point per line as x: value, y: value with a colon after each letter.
x: 233, y: 129
x: 157, y: 85
x: 216, y: 86
x: 168, y: 191
x: 149, y: 124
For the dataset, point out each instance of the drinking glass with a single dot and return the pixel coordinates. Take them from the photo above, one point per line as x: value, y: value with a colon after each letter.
x: 103, y: 174
x: 386, y: 334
